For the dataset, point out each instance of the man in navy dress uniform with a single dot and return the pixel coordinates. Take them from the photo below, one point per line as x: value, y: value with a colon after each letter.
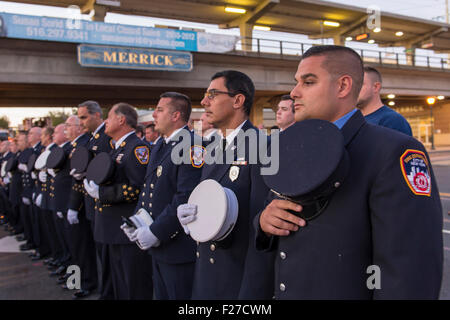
x: 232, y: 268
x: 380, y: 237
x: 167, y: 185
x: 129, y: 267
x: 90, y: 114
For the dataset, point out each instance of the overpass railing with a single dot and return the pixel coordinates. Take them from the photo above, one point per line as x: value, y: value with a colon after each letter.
x: 290, y: 50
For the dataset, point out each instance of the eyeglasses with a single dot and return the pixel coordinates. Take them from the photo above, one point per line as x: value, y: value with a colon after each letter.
x: 213, y: 92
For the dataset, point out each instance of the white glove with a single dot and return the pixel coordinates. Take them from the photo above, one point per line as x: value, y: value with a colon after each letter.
x: 38, y: 200
x: 146, y: 239
x: 6, y: 180
x: 72, y: 216
x: 9, y: 175
x: 91, y: 188
x: 186, y: 213
x: 22, y: 167
x: 33, y: 196
x: 59, y: 214
x: 26, y: 201
x: 33, y: 175
x: 77, y: 176
x: 42, y: 176
x: 129, y: 231
x: 51, y: 172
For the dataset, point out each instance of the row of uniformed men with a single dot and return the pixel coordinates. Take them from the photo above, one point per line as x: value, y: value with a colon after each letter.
x: 271, y: 251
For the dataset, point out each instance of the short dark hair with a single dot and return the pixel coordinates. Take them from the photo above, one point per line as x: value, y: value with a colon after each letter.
x: 340, y: 60
x: 128, y: 111
x: 286, y: 97
x: 180, y: 102
x: 91, y: 106
x: 374, y: 72
x: 140, y: 129
x: 238, y: 82
x: 151, y: 125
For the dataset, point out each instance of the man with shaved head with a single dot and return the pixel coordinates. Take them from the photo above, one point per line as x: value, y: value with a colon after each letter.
x: 381, y: 230
x: 373, y: 109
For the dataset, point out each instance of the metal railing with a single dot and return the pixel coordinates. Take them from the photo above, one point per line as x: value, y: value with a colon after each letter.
x: 291, y: 50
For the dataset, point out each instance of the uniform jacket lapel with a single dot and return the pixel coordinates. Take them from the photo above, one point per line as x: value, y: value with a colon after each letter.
x: 216, y: 172
x: 353, y: 125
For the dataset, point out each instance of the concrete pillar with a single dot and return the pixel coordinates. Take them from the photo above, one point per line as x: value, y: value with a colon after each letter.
x: 410, y: 54
x: 257, y: 112
x: 100, y: 13
x: 338, y: 40
x: 246, y: 36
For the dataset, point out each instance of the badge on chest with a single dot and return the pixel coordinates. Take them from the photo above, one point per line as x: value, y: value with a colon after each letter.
x: 234, y: 173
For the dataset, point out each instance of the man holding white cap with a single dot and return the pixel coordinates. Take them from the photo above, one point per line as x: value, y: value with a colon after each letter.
x: 231, y: 268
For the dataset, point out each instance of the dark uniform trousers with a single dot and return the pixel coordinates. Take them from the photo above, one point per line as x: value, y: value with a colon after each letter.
x: 47, y: 221
x: 61, y: 186
x: 127, y: 265
x: 26, y: 210
x: 81, y: 236
x: 167, y: 185
x: 99, y: 142
x: 39, y: 238
x: 374, y: 218
x: 232, y: 268
x: 15, y: 199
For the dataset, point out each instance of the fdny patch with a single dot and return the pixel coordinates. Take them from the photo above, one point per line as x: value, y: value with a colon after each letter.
x: 142, y: 154
x: 414, y: 165
x: 197, y: 153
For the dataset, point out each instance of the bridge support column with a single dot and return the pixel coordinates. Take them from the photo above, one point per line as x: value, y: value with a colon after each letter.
x: 246, y: 36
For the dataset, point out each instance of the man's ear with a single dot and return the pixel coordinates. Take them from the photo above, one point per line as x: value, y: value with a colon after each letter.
x: 176, y: 115
x: 377, y: 87
x: 239, y: 101
x: 345, y: 86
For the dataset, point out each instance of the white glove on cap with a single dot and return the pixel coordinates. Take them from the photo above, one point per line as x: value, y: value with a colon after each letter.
x: 146, y: 238
x: 186, y: 213
x: 77, y: 176
x: 26, y: 201
x: 129, y: 231
x: 51, y: 172
x: 38, y: 200
x: 42, y: 176
x: 91, y: 188
x: 72, y: 216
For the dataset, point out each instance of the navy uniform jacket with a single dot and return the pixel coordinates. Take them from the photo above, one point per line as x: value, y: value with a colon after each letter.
x: 61, y: 184
x: 77, y: 193
x: 45, y: 187
x: 35, y: 182
x: 232, y: 268
x: 376, y: 217
x: 15, y: 186
x: 167, y: 185
x: 119, y: 198
x: 100, y: 142
x: 27, y: 182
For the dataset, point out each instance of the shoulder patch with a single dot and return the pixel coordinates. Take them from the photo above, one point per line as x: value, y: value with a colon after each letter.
x: 197, y: 154
x: 415, y: 170
x: 142, y: 154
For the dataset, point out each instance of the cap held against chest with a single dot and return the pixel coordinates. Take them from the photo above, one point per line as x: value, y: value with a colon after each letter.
x: 80, y: 159
x: 56, y: 158
x: 313, y: 165
x: 31, y: 162
x: 100, y: 169
x: 41, y: 161
x: 217, y: 211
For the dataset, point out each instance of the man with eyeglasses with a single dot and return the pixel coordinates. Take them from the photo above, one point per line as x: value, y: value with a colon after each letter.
x: 232, y: 268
